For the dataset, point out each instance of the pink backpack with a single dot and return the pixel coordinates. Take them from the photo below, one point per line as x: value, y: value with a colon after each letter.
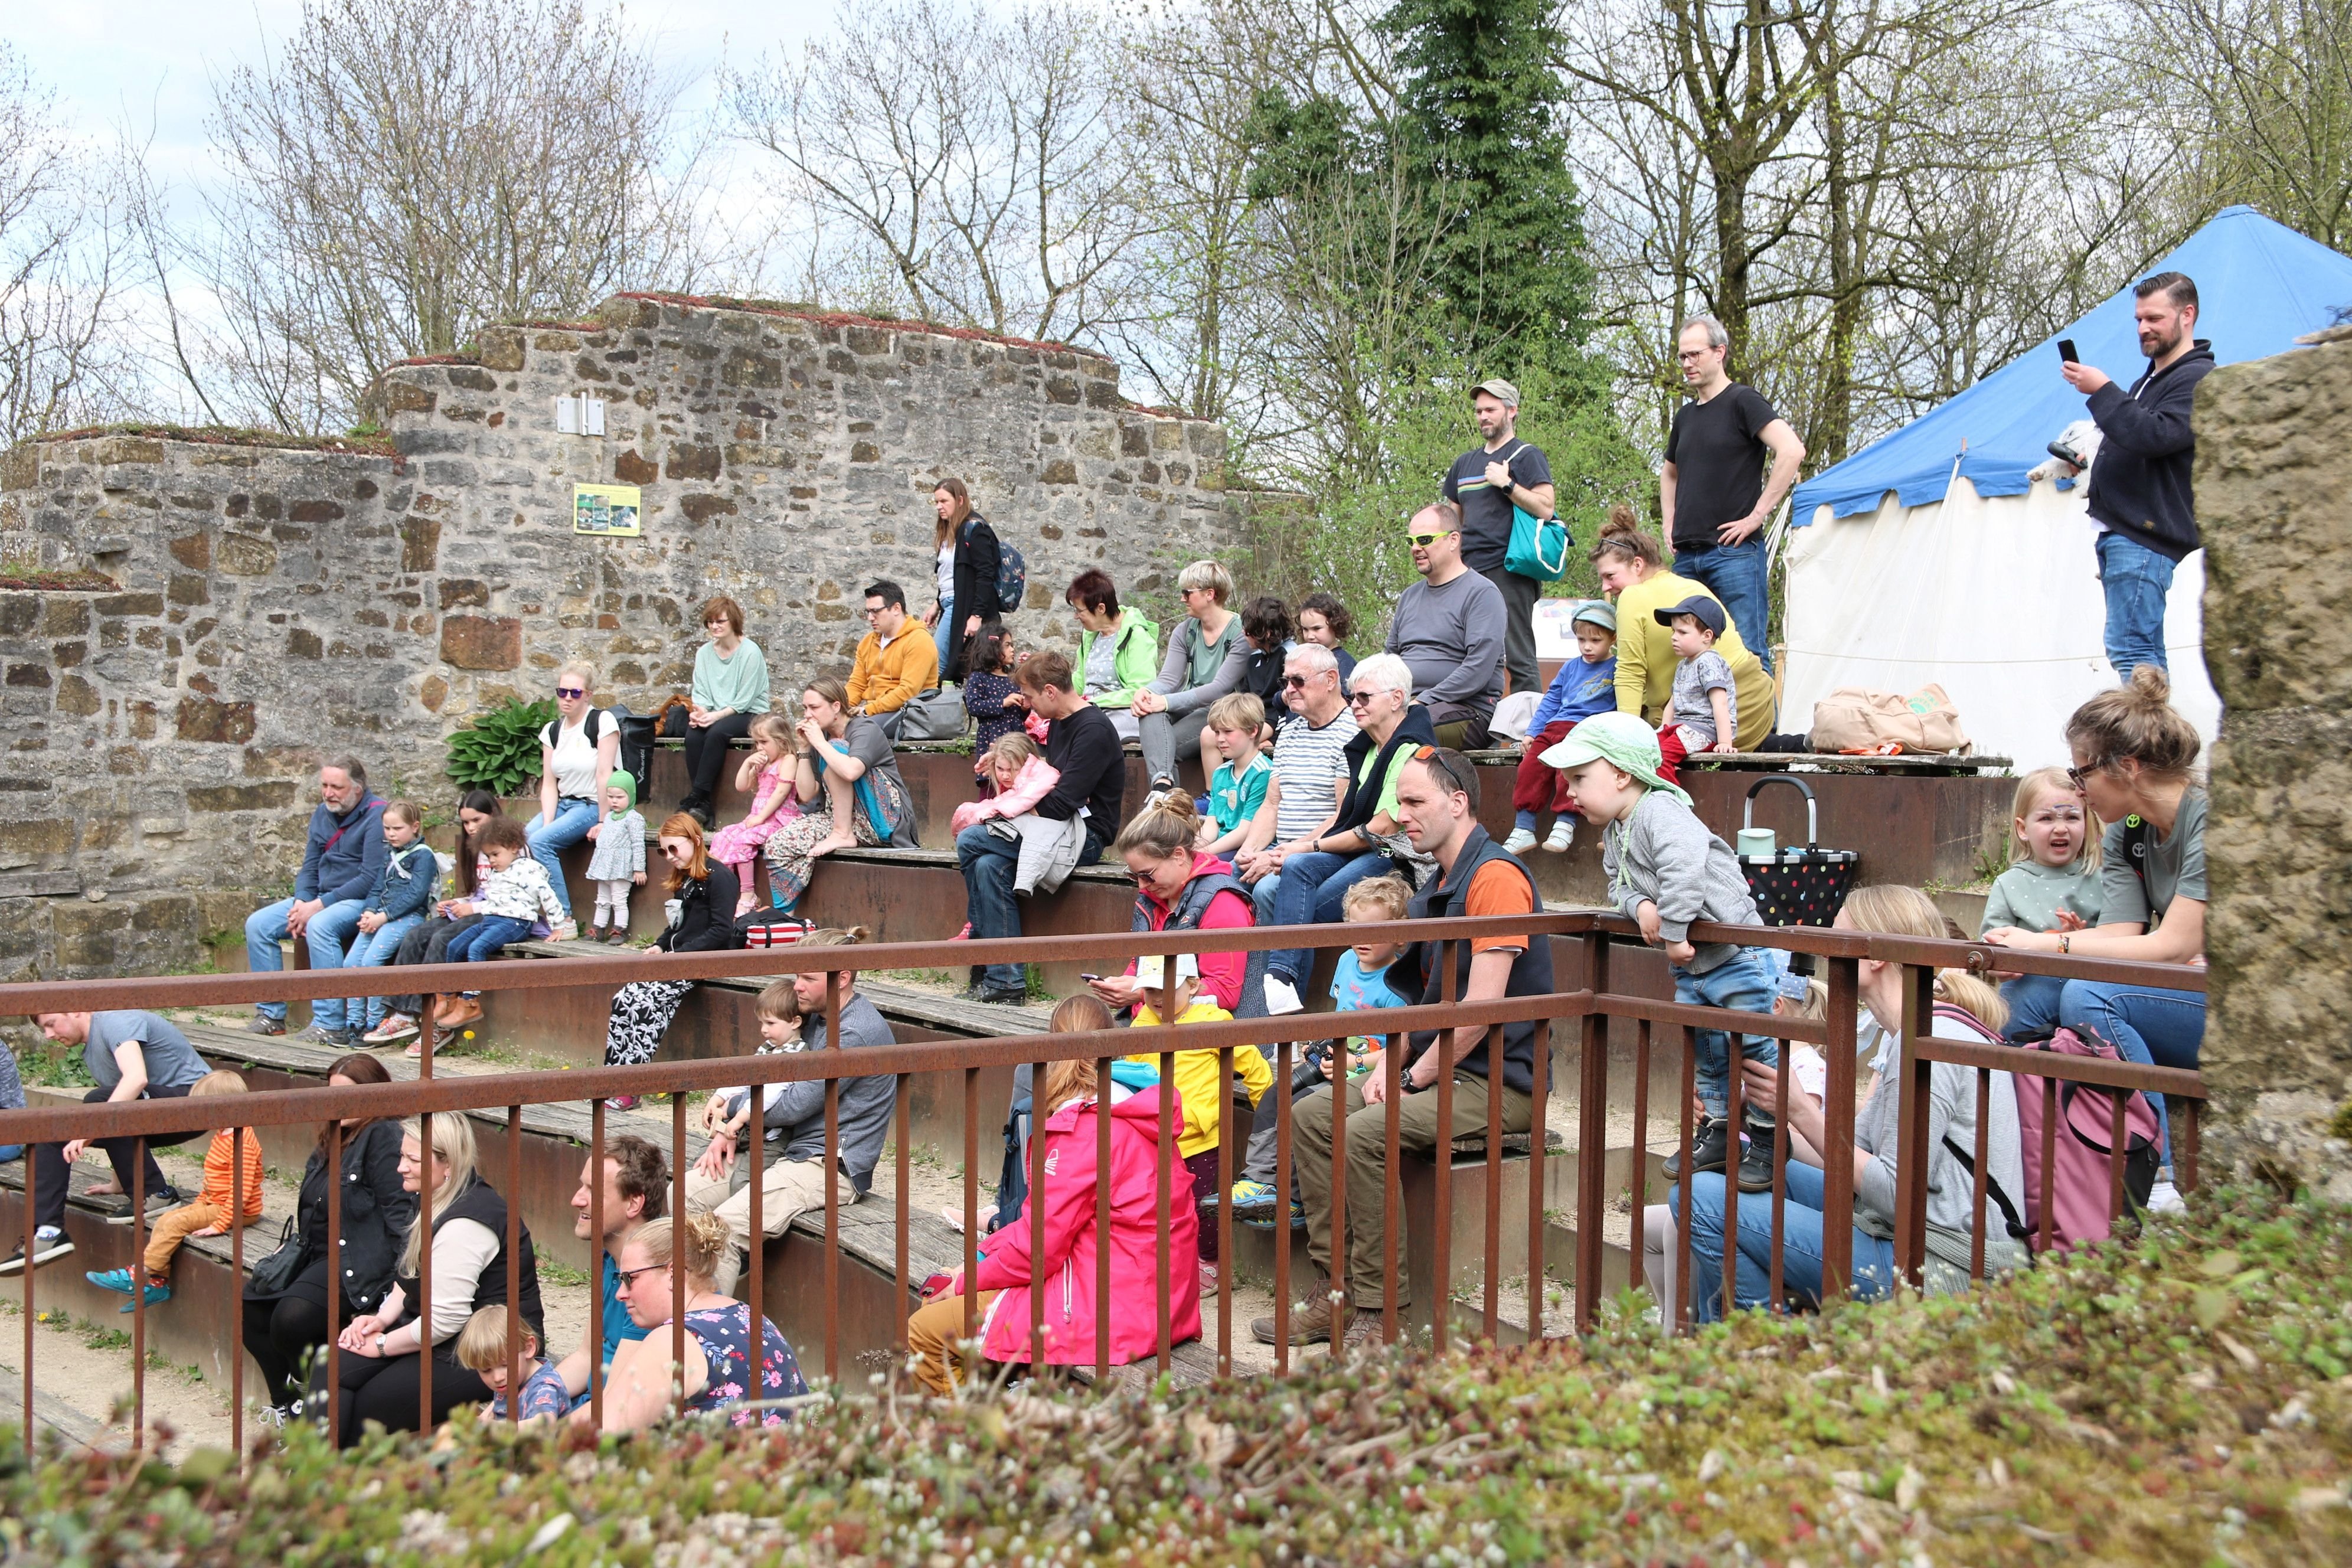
x: 2078, y: 1191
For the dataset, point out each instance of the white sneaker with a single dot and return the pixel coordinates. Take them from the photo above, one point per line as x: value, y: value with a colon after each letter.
x: 1282, y: 997
x: 1521, y: 840
x: 564, y: 930
x: 1563, y: 834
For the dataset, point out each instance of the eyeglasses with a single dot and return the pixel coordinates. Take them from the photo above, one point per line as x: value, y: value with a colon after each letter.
x: 622, y: 1278
x: 2080, y: 777
x: 570, y: 692
x: 1424, y: 540
x: 1297, y: 682
x: 1357, y: 699
x: 874, y: 610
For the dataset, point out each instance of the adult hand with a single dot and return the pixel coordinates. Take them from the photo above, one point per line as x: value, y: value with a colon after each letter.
x: 1376, y: 1083
x: 300, y: 915
x: 360, y: 1335
x: 1646, y: 916
x: 1498, y: 475
x: 2084, y: 379
x: 718, y: 1157
x: 2023, y: 940
x: 1116, y: 991
x: 932, y: 617
x: 810, y: 731
x: 1759, y: 1085
x: 1739, y: 531
x: 971, y: 625
x: 1148, y: 702
x: 1680, y: 953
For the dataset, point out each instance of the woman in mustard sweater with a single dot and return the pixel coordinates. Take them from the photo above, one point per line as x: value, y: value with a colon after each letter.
x: 1633, y: 570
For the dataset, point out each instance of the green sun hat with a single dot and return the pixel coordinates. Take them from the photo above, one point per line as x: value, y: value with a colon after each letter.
x: 1622, y: 740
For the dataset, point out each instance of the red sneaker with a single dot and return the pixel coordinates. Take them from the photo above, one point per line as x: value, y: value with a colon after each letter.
x: 964, y: 936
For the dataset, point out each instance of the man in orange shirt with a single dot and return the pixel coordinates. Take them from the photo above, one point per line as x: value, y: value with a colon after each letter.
x: 217, y: 1206
x: 897, y: 661
x: 1437, y: 806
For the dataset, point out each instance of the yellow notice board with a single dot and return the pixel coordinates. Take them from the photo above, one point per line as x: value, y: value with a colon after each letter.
x: 605, y: 509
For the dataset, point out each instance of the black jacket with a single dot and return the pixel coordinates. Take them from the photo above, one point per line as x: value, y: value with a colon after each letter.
x: 1418, y: 974
x: 2139, y: 482
x: 977, y: 559
x: 375, y: 1212
x: 482, y: 1203
x: 1362, y: 801
x: 706, y: 916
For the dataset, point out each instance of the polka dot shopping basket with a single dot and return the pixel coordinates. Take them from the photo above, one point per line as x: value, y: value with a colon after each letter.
x: 1796, y: 887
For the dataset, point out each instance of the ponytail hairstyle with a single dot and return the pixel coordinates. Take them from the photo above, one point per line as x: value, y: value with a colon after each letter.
x: 1164, y: 829
x: 1624, y: 537
x: 454, y: 1150
x: 1891, y: 910
x: 701, y: 1233
x: 2137, y: 720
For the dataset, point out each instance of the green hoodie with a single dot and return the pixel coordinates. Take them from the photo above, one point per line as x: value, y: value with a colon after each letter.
x: 1135, y: 663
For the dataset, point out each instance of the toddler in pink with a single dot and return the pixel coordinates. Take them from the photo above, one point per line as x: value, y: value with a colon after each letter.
x: 1022, y: 778
x: 775, y: 801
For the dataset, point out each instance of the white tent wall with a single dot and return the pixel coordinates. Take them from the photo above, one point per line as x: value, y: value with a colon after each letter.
x: 1996, y: 600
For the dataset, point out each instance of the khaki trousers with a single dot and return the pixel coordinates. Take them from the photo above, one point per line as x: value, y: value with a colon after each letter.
x: 932, y: 1330
x: 789, y: 1189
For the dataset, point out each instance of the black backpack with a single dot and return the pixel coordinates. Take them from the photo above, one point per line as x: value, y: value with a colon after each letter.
x: 637, y: 746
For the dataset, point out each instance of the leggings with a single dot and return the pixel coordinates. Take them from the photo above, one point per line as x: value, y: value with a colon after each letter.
x: 384, y: 1389
x: 281, y: 1333
x: 706, y: 754
x: 428, y: 943
x: 641, y: 1013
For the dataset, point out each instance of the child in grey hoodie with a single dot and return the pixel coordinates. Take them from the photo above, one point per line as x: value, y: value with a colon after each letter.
x: 1666, y: 871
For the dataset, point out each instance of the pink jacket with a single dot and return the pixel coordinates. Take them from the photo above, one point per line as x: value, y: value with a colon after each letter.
x: 1032, y: 784
x: 1221, y: 973
x: 1071, y: 1241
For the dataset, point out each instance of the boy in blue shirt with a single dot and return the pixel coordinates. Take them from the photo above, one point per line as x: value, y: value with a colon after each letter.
x: 1238, y: 786
x: 482, y: 1350
x: 1585, y: 685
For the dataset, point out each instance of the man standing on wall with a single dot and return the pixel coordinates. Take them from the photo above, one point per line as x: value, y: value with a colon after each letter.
x: 341, y: 860
x: 1488, y: 484
x: 1713, y: 493
x: 2140, y: 495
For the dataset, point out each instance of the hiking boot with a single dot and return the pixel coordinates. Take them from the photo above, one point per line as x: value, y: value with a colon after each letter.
x: 1005, y: 995
x: 1710, y: 1150
x: 1364, y: 1330
x: 263, y: 1023
x: 1755, y: 1160
x: 157, y: 1203
x: 47, y: 1244
x: 1310, y: 1324
x: 1250, y: 1197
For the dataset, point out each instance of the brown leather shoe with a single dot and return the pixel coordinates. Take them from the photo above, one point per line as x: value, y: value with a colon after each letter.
x: 1364, y: 1330
x: 466, y: 1010
x: 1310, y: 1324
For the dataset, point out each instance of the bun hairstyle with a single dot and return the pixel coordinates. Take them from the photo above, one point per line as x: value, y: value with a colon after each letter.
x: 2138, y: 720
x: 701, y: 1233
x: 1624, y: 537
x: 1162, y: 829
x: 1891, y: 910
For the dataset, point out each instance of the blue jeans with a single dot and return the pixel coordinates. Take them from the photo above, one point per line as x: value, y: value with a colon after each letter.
x: 574, y: 818
x: 1737, y: 574
x: 2032, y: 1006
x: 987, y: 863
x: 943, y: 636
x: 1800, y: 1245
x: 1743, y: 981
x: 2157, y: 1027
x: 329, y: 930
x: 9, y: 1152
x: 483, y: 942
x: 373, y: 949
x: 1311, y: 890
x: 2137, y: 580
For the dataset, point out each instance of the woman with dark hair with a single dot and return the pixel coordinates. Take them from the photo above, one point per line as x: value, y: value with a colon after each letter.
x: 969, y: 557
x: 850, y: 788
x: 704, y: 891
x: 283, y: 1328
x: 1632, y: 569
x: 1325, y: 621
x: 1266, y: 628
x: 429, y: 942
x: 730, y: 690
x: 1116, y: 647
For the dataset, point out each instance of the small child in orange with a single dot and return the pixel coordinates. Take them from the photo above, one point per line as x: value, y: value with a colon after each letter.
x: 214, y: 1209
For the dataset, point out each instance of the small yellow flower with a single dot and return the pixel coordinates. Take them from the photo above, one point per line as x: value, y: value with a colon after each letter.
x: 469, y: 1034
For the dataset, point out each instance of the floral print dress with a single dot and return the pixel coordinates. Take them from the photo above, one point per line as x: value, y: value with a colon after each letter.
x: 725, y: 1335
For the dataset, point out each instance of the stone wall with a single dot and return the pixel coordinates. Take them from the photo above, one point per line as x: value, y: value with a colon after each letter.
x: 272, y: 604
x: 2274, y: 474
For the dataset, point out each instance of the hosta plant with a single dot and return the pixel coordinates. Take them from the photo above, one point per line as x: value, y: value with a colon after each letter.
x: 499, y: 751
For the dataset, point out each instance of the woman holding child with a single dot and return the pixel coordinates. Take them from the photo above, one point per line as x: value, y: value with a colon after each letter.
x: 848, y: 777
x: 1633, y: 570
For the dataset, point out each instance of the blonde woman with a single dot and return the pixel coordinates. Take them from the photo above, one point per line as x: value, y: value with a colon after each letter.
x: 577, y: 750
x: 719, y: 1375
x: 1965, y: 1009
x: 1206, y: 659
x: 463, y: 1220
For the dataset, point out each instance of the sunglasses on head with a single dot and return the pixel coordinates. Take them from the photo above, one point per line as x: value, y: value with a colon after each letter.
x: 570, y: 692
x: 1437, y: 762
x: 1424, y: 540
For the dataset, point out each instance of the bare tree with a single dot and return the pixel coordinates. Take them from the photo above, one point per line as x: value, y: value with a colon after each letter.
x: 406, y: 170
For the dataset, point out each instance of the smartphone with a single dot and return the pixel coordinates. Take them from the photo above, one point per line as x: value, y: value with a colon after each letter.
x: 1090, y: 977
x: 2066, y: 351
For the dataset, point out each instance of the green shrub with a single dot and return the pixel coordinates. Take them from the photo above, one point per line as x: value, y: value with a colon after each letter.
x: 499, y: 751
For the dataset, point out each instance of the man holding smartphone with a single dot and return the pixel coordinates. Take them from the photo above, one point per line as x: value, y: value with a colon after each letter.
x: 2140, y: 493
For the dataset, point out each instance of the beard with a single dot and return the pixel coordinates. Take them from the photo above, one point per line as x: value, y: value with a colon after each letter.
x: 2156, y: 345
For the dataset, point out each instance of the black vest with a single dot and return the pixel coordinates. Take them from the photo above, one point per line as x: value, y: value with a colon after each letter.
x: 1192, y: 909
x: 1530, y: 972
x: 482, y: 1203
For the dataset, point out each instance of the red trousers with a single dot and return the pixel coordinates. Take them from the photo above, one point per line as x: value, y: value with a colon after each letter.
x: 1671, y: 753
x: 1540, y: 786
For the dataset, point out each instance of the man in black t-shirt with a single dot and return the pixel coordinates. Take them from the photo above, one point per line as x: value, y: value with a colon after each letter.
x: 1714, y: 490
x: 1488, y: 484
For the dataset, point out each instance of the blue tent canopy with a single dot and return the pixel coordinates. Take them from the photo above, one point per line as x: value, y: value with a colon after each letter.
x: 2261, y: 286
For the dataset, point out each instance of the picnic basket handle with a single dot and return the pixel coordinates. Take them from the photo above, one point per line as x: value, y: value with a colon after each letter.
x: 1812, y: 807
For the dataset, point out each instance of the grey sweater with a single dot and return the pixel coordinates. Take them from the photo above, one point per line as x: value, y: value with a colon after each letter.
x: 1182, y: 679
x: 1952, y: 1112
x: 1451, y: 637
x: 1663, y: 854
x: 796, y: 1114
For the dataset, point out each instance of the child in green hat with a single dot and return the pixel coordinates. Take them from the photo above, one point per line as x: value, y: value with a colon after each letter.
x: 618, y: 862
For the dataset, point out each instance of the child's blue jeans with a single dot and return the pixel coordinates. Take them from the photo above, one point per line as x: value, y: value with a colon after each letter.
x: 372, y: 950
x: 1743, y: 981
x: 487, y: 940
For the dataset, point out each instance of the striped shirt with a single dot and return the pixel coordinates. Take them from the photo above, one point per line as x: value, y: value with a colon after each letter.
x: 1309, y: 762
x: 220, y: 1167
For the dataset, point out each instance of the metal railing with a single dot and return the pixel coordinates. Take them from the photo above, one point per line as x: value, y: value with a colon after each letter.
x: 1600, y: 937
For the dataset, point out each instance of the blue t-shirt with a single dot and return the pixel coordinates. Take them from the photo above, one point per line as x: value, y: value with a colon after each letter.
x: 1354, y: 991
x: 1578, y: 692
x: 1235, y: 797
x: 543, y: 1394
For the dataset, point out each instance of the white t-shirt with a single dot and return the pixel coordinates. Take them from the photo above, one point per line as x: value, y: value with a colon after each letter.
x: 947, y: 570
x: 575, y: 746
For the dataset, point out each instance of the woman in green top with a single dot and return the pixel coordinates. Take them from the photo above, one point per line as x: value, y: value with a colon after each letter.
x: 1206, y: 657
x: 1115, y: 648
x: 730, y: 690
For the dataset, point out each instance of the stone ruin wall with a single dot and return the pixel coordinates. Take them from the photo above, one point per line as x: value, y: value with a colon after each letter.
x: 272, y: 606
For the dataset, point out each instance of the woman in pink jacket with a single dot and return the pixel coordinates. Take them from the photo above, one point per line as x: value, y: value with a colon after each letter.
x: 1073, y: 1244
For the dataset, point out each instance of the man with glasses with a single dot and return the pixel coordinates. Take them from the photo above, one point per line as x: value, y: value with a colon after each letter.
x: 1302, y: 798
x: 1490, y: 483
x: 1449, y: 630
x: 895, y: 663
x: 1713, y: 493
x: 342, y: 858
x: 1437, y: 804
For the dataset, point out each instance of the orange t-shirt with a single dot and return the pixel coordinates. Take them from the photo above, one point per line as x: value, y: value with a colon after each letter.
x: 1496, y: 888
x: 219, y: 1158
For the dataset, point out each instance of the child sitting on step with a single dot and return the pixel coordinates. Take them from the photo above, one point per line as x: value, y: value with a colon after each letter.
x: 515, y: 896
x: 1237, y: 788
x: 482, y: 1350
x: 773, y: 803
x: 217, y: 1206
x: 618, y: 861
x: 2051, y: 884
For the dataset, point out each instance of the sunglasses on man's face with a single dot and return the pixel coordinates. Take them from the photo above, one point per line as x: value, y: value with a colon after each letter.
x: 570, y: 692
x: 1424, y: 540
x: 1297, y: 682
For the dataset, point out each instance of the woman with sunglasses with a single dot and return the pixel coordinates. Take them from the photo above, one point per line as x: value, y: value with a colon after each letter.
x: 578, y: 751
x: 1206, y: 657
x: 703, y: 893
x: 718, y: 1373
x: 2133, y: 752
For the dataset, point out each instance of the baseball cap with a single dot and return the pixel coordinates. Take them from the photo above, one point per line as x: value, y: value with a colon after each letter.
x: 1709, y: 612
x: 1150, y: 970
x: 1600, y: 612
x: 1501, y: 390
